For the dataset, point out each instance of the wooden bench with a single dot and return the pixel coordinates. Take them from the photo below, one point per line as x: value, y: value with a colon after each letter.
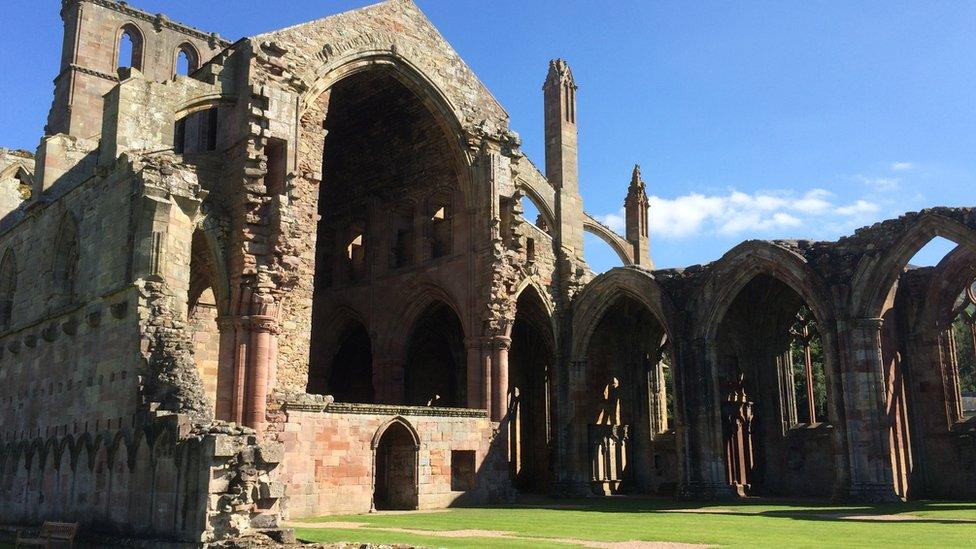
x: 52, y: 534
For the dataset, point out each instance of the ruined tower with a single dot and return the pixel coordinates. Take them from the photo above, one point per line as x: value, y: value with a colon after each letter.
x: 90, y: 58
x: 636, y: 206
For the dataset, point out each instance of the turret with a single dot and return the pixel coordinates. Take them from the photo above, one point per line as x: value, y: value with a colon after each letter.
x: 636, y: 206
x: 562, y: 164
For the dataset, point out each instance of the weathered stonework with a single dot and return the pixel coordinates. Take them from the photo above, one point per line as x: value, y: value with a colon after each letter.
x: 319, y: 234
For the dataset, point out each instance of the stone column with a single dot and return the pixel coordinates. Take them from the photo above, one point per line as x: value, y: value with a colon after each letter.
x: 486, y: 355
x: 864, y: 408
x: 476, y: 377
x: 225, y: 369
x: 573, y: 479
x: 262, y: 330
x: 242, y: 341
x: 499, y: 377
x: 703, y: 472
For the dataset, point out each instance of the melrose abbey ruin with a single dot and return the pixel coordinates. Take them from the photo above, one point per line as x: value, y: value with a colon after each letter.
x: 291, y: 276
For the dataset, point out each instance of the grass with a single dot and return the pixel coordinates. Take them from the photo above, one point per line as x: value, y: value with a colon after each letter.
x: 739, y: 524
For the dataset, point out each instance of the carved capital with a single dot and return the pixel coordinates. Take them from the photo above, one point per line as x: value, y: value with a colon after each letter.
x: 263, y: 324
x: 501, y: 343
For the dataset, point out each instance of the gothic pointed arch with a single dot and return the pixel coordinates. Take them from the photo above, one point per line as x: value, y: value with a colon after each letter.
x: 876, y: 274
x: 743, y: 263
x: 66, y: 258
x: 186, y: 59
x: 130, y: 38
x: 435, y: 366
x: 601, y: 292
x: 8, y: 288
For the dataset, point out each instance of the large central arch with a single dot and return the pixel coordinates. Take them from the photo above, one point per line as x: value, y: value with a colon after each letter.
x: 392, y: 207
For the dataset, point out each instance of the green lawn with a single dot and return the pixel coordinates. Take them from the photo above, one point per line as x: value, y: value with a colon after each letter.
x: 551, y: 523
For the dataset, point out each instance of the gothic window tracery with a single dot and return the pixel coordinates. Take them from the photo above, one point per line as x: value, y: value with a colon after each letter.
x: 961, y: 367
x: 806, y: 375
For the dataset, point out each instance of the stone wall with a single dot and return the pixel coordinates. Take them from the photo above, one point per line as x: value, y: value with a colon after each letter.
x: 330, y: 456
x: 164, y: 481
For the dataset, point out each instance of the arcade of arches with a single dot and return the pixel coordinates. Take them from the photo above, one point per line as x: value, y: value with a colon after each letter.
x: 327, y: 294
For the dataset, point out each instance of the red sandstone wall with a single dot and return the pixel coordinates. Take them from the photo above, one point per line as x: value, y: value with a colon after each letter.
x: 329, y: 459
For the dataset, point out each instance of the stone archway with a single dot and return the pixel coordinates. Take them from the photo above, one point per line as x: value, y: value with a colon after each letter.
x: 616, y: 398
x: 435, y: 368
x: 530, y: 385
x: 770, y: 358
x: 395, y: 448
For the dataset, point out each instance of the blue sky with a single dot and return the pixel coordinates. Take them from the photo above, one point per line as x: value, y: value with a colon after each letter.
x: 749, y: 119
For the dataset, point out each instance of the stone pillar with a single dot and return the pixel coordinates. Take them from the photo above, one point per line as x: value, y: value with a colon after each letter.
x: 242, y: 340
x: 262, y: 331
x: 476, y: 377
x: 486, y: 371
x: 499, y: 377
x: 225, y: 369
x: 864, y: 407
x: 703, y: 472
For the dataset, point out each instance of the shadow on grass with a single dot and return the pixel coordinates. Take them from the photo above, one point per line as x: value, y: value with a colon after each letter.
x: 814, y: 510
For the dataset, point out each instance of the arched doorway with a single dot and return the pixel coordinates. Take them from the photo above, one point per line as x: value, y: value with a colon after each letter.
x: 623, y: 398
x: 774, y: 393
x: 435, y: 372
x: 530, y: 393
x: 395, y: 467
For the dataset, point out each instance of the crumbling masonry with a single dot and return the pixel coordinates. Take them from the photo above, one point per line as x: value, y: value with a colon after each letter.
x: 298, y: 280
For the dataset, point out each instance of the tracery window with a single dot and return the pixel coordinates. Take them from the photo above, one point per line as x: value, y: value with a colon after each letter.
x: 661, y: 381
x: 961, y: 371
x: 806, y: 376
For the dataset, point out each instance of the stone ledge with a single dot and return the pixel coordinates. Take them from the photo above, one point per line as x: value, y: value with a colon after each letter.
x: 384, y: 409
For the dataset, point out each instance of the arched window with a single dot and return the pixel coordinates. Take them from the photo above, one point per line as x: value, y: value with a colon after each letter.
x: 8, y: 286
x: 187, y: 59
x: 661, y: 379
x: 440, y: 217
x: 66, y: 261
x: 962, y: 354
x: 197, y: 132
x: 355, y: 251
x: 129, y: 49
x: 809, y: 402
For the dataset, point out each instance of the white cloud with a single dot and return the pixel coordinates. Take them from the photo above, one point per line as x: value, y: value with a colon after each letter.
x: 880, y: 183
x: 901, y: 166
x: 614, y: 220
x: 736, y: 213
x: 858, y: 208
